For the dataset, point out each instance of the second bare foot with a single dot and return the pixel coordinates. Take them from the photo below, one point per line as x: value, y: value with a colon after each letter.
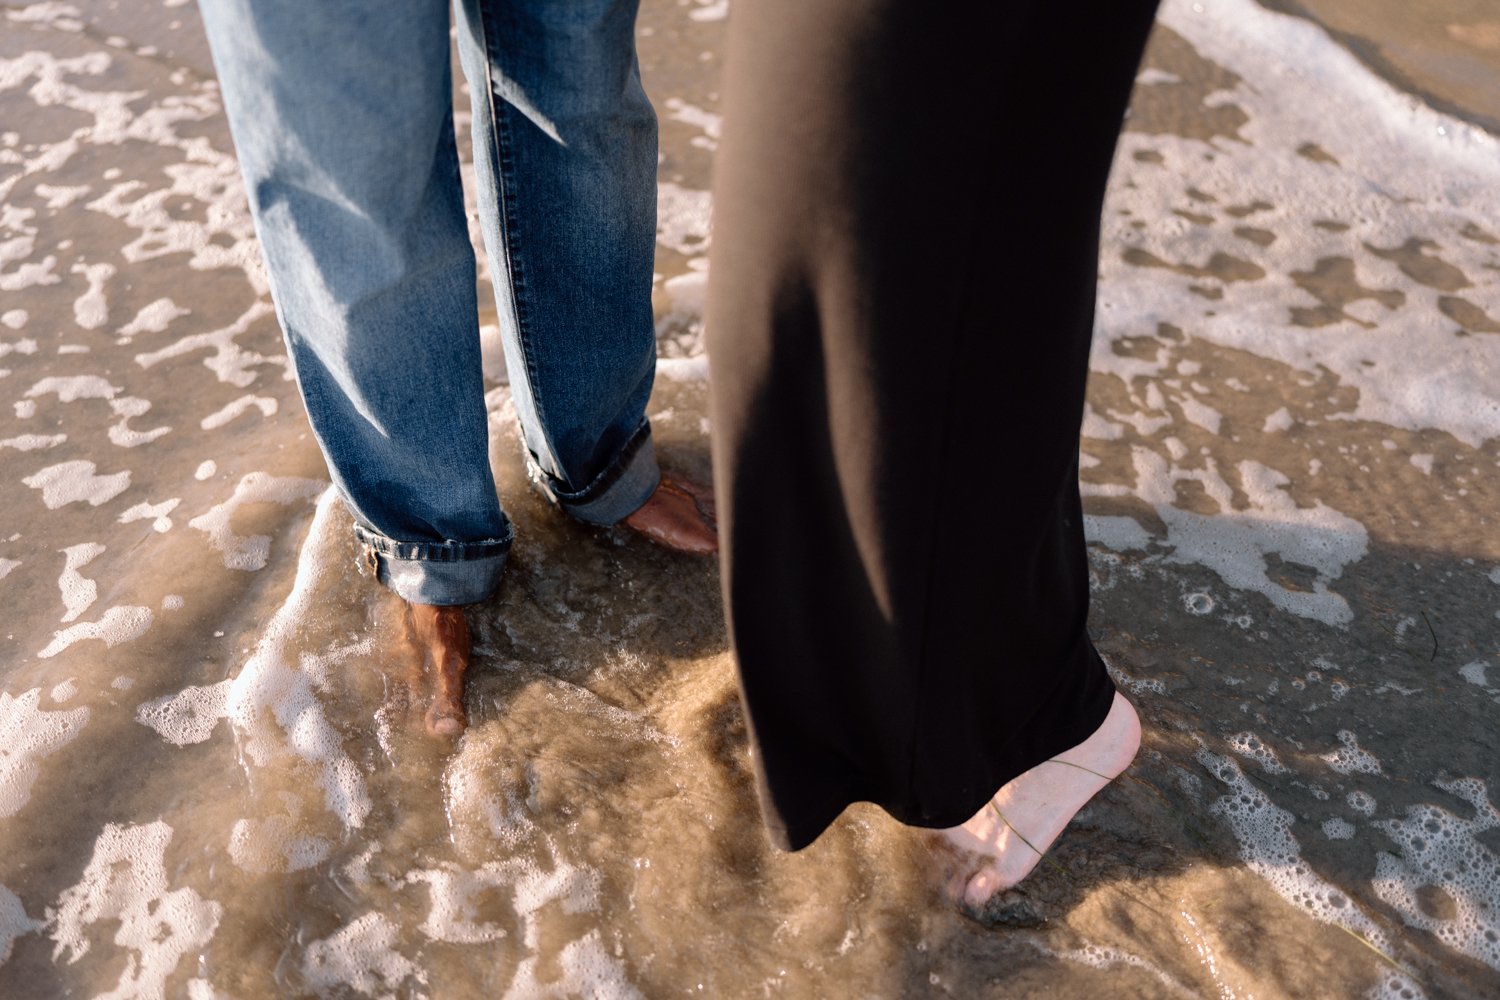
x: 440, y: 635
x: 678, y: 516
x: 1010, y: 834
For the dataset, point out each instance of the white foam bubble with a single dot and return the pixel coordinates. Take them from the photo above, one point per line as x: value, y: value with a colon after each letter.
x: 76, y: 482
x: 1104, y: 957
x: 1198, y: 412
x: 6, y: 565
x: 78, y: 592
x: 14, y: 318
x: 62, y: 16
x: 14, y: 922
x: 1236, y: 542
x: 1351, y: 758
x: 684, y: 219
x: 187, y: 717
x: 475, y: 806
x: 1198, y: 603
x: 1361, y: 802
x: 33, y: 442
x: 119, y: 624
x: 121, y: 433
x: 1252, y: 747
x: 64, y: 691
x: 229, y: 361
x: 154, y: 318
x: 16, y: 220
x: 71, y: 388
x: 155, y: 513
x: 693, y: 369
x: 265, y: 404
x: 710, y: 10
x: 708, y: 122
x: 1281, y: 420
x: 1116, y: 532
x: 28, y: 734
x: 679, y: 328
x: 1408, y: 369
x: 1135, y: 685
x: 1151, y: 76
x: 61, y: 196
x: 1097, y: 427
x: 1394, y: 985
x: 590, y: 970
x: 1474, y: 673
x: 26, y: 345
x: 1441, y: 852
x: 202, y: 989
x: 453, y: 894
x: 91, y: 309
x: 362, y: 956
x: 126, y: 883
x: 249, y: 553
x: 1338, y: 829
x: 1268, y: 848
x: 205, y: 469
x: 273, y: 702
x: 276, y: 843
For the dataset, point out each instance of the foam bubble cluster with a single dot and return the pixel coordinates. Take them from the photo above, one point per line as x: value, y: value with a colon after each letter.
x: 362, y: 955
x: 125, y: 885
x: 250, y: 553
x: 117, y: 625
x: 1267, y: 846
x: 1252, y: 747
x: 27, y: 734
x: 189, y: 716
x: 1351, y: 758
x: 1104, y: 957
x: 13, y: 922
x: 1440, y: 852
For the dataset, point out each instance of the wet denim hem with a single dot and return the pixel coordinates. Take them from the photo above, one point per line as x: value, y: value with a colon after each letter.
x: 619, y: 490
x: 435, y: 572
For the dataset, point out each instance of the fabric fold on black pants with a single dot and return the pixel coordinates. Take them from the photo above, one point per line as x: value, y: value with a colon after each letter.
x: 900, y: 311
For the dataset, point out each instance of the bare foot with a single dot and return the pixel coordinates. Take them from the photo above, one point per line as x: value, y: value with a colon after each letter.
x: 441, y: 638
x: 678, y: 516
x: 1012, y: 832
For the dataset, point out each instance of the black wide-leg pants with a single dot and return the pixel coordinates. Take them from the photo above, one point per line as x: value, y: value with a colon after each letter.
x: 901, y: 302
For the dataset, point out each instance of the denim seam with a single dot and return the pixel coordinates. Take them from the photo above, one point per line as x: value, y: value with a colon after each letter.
x: 442, y: 552
x: 506, y: 204
x: 601, y: 483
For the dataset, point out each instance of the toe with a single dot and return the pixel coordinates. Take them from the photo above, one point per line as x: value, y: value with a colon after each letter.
x: 444, y: 724
x: 982, y: 885
x: 672, y: 519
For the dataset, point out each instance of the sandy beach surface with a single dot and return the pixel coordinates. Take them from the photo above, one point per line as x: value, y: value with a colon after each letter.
x: 208, y: 787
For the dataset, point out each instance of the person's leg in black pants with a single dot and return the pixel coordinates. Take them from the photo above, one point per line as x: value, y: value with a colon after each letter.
x: 900, y: 309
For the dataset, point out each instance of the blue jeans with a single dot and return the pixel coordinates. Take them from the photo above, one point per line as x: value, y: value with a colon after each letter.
x: 341, y: 112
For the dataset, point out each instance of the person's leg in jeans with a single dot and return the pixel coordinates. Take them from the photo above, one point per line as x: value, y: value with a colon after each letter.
x: 565, y: 158
x: 341, y: 114
x: 900, y: 310
x: 342, y: 120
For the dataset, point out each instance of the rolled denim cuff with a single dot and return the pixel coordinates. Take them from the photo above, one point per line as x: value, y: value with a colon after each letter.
x: 435, y: 572
x: 618, y: 491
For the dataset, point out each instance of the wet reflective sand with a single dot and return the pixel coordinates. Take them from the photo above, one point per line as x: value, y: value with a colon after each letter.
x: 211, y: 784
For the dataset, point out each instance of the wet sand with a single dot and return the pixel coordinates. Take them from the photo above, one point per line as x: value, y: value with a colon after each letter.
x: 208, y: 786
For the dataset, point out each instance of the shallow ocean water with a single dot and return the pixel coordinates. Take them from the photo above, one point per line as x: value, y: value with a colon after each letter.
x: 208, y: 785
